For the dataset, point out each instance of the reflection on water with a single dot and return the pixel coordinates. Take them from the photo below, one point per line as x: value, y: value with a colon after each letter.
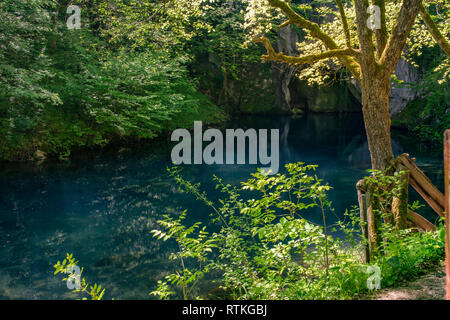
x: 102, y: 206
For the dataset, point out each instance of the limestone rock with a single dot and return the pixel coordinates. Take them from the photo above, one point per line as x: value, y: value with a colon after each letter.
x: 39, y: 155
x: 400, y: 95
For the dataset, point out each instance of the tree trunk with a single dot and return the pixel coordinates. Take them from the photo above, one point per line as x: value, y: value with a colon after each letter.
x: 375, y: 99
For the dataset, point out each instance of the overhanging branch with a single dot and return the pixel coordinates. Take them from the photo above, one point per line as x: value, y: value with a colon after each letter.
x: 381, y: 34
x: 400, y: 32
x: 272, y: 55
x: 434, y: 30
x: 344, y: 23
x: 315, y: 31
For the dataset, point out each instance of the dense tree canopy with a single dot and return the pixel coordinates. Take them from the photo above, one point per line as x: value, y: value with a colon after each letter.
x: 118, y: 77
x: 264, y: 16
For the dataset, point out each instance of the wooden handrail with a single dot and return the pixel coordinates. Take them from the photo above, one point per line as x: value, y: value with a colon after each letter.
x: 420, y: 221
x: 420, y: 182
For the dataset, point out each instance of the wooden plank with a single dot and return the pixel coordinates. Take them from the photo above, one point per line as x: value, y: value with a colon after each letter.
x: 420, y: 221
x: 433, y: 204
x: 422, y: 179
x: 447, y: 208
x: 420, y: 182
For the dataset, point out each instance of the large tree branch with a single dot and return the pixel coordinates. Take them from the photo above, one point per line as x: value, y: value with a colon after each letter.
x: 434, y: 30
x: 367, y: 60
x: 381, y: 34
x: 272, y: 55
x: 315, y: 31
x: 344, y: 23
x: 399, y: 35
x: 284, y: 24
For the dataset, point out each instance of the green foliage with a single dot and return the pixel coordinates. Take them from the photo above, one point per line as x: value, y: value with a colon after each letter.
x: 67, y: 266
x: 408, y: 253
x: 194, y: 243
x: 155, y: 25
x: 24, y: 68
x: 429, y: 116
x: 66, y: 89
x: 266, y: 249
x: 137, y: 95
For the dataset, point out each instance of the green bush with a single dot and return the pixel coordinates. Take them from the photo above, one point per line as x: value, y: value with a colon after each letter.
x: 266, y: 249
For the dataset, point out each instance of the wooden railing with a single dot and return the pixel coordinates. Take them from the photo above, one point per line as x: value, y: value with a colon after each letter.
x: 402, y: 215
x: 438, y: 201
x: 420, y: 182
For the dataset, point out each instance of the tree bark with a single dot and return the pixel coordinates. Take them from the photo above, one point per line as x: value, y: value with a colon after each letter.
x: 400, y: 203
x: 375, y: 100
x: 375, y: 84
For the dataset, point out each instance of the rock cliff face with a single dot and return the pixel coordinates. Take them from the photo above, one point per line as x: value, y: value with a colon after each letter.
x: 295, y: 96
x: 284, y: 74
x: 400, y: 96
x: 252, y: 93
x: 274, y: 88
x: 291, y: 95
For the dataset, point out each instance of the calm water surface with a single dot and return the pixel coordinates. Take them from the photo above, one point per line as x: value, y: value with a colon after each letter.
x: 101, y: 206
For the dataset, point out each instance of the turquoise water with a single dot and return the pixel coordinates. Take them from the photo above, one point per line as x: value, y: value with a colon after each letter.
x: 101, y: 205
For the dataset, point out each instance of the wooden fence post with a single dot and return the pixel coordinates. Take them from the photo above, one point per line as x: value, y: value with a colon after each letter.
x: 400, y: 203
x: 447, y: 208
x: 363, y: 215
x: 369, y: 207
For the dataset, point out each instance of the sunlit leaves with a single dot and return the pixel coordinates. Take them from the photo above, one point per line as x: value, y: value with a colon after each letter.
x: 94, y: 292
x: 194, y: 243
x: 152, y: 24
x: 260, y: 20
x: 261, y: 238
